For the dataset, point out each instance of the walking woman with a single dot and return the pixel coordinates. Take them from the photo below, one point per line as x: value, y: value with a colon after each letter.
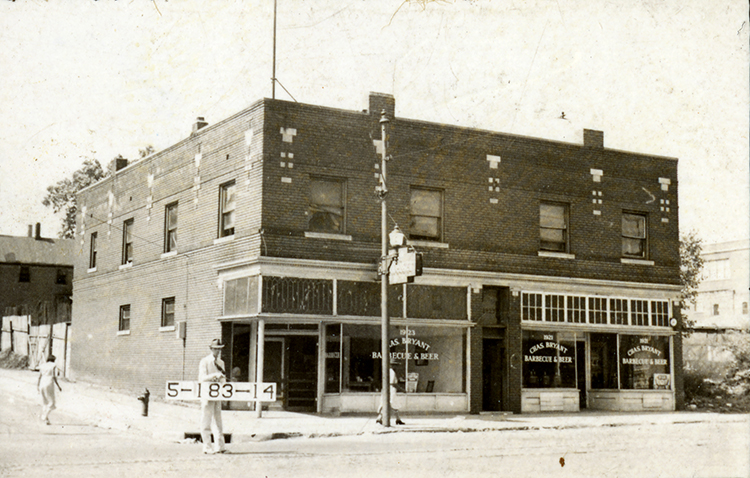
x: 46, y: 385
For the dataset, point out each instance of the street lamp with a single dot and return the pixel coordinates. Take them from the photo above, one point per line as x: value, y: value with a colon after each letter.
x: 382, y: 192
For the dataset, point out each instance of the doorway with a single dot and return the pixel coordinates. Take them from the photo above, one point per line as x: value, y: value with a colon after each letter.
x: 493, y: 369
x: 291, y: 362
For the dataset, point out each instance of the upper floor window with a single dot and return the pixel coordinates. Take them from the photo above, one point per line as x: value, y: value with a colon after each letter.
x: 24, y: 274
x: 92, y: 251
x: 633, y: 235
x: 426, y: 210
x: 170, y: 228
x: 167, y: 312
x: 744, y: 308
x: 62, y: 277
x: 715, y: 309
x: 327, y: 209
x: 227, y: 198
x: 127, y: 241
x: 124, y: 322
x: 553, y: 227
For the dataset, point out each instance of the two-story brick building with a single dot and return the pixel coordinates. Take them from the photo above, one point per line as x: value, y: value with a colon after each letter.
x: 36, y: 277
x: 549, y: 268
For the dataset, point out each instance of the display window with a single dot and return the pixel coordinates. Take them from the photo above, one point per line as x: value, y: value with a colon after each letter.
x: 549, y: 359
x: 428, y: 359
x: 644, y: 362
x: 603, y: 360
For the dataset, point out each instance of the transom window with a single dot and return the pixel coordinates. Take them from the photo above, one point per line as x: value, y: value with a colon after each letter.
x: 551, y: 307
x: 124, y: 322
x: 633, y: 235
x: 170, y: 228
x: 531, y: 306
x: 167, y: 312
x: 618, y: 311
x: 127, y: 241
x: 553, y: 227
x: 327, y: 209
x: 554, y: 308
x: 227, y: 198
x: 426, y: 210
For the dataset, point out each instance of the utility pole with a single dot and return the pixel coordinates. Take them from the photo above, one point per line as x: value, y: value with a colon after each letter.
x: 382, y: 191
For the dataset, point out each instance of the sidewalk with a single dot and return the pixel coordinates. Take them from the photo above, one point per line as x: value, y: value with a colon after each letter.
x: 175, y: 422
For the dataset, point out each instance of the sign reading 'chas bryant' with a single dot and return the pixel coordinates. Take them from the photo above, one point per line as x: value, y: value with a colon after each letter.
x: 530, y: 357
x: 654, y: 359
x: 413, y: 349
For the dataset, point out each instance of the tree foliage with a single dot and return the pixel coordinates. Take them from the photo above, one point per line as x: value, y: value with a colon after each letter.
x: 691, y: 266
x: 61, y: 196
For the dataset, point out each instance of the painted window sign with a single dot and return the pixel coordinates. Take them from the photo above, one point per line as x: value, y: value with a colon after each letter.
x: 644, y: 359
x: 549, y: 360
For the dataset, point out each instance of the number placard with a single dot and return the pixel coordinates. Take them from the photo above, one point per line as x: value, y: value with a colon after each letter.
x: 229, y: 391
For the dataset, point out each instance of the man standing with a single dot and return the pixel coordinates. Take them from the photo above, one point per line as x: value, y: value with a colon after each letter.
x: 393, y: 379
x: 210, y: 370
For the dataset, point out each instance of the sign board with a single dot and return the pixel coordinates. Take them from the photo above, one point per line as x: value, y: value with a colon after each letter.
x: 229, y: 391
x: 405, y: 266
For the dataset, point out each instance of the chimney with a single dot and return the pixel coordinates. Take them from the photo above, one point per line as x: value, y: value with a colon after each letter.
x: 380, y: 102
x: 31, y: 230
x: 200, y: 122
x: 593, y: 138
x: 120, y: 163
x: 38, y: 234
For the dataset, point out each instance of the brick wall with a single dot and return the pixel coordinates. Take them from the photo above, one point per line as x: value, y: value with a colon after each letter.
x: 505, y: 234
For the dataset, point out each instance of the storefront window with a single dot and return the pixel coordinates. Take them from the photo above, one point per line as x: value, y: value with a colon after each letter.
x: 604, y: 361
x: 430, y: 359
x: 333, y: 358
x: 644, y: 362
x: 549, y: 359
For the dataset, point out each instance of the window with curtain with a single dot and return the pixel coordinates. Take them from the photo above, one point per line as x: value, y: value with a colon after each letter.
x: 553, y: 227
x: 634, y: 235
x: 426, y: 208
x: 226, y: 209
x: 170, y: 228
x: 326, y: 212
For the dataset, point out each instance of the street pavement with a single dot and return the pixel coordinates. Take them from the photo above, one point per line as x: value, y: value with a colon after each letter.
x: 110, y: 409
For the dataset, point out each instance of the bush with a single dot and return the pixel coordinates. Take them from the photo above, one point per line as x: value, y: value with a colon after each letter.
x: 698, y: 384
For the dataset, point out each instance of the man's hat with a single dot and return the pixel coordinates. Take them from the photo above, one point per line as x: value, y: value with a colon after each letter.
x: 216, y: 344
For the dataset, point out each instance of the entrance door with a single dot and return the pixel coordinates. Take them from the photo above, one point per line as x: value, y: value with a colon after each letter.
x: 493, y: 358
x: 303, y: 373
x: 581, y: 372
x: 274, y: 366
x: 292, y: 362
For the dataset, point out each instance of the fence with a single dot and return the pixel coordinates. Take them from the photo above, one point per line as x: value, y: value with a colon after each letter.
x: 36, y: 341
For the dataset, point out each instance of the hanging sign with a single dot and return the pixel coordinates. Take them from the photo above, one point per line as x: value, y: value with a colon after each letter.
x: 406, y: 265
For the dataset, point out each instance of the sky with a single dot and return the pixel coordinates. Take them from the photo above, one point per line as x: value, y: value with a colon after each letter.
x: 94, y: 79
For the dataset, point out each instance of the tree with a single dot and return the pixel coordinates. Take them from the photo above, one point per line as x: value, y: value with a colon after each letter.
x: 61, y: 197
x: 691, y: 266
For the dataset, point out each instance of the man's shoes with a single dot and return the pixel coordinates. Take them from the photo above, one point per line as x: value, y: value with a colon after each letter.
x: 223, y: 450
x: 399, y: 422
x: 208, y: 451
x: 379, y: 421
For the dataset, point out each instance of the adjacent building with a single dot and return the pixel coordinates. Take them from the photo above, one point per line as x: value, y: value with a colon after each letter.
x: 36, y: 277
x: 549, y: 280
x: 720, y: 312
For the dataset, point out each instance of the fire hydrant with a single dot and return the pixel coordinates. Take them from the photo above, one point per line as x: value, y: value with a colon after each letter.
x: 144, y: 401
